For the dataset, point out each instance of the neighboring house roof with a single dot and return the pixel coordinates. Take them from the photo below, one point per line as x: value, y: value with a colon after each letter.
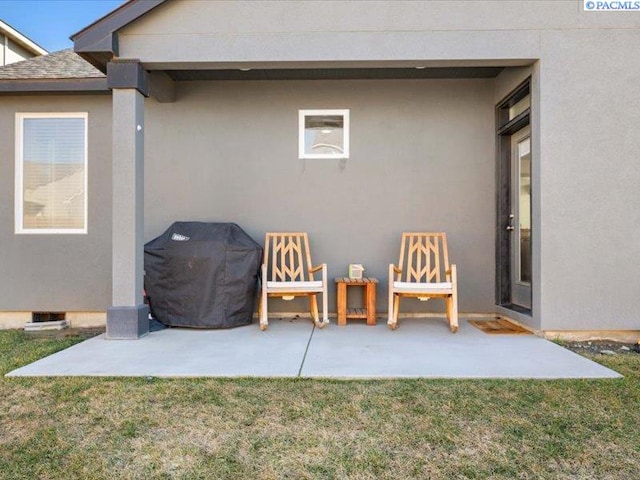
x: 63, y: 71
x: 57, y: 65
x: 21, y: 39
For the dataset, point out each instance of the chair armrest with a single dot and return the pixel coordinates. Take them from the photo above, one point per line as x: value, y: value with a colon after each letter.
x: 323, y: 267
x: 393, y: 270
x: 317, y: 268
x: 452, y: 274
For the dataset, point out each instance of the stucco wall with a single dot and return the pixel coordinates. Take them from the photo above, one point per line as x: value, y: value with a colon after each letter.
x: 421, y: 160
x: 589, y: 150
x: 585, y: 121
x: 57, y: 272
x: 585, y: 150
x: 509, y: 79
x: 585, y: 116
x: 186, y: 31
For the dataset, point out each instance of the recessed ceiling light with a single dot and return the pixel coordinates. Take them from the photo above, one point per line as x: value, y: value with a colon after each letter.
x: 421, y: 67
x: 244, y: 69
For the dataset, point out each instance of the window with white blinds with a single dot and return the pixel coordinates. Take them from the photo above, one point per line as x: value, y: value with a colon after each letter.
x: 51, y: 173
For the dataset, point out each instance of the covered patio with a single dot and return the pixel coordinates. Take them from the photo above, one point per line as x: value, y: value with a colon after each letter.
x: 293, y: 347
x: 201, y: 133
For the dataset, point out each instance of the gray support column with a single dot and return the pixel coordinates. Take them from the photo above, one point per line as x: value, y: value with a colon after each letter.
x: 128, y: 317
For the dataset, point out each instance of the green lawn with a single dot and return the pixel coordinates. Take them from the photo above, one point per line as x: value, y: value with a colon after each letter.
x: 253, y: 428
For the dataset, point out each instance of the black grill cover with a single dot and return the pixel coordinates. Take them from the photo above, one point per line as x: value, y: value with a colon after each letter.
x: 202, y: 275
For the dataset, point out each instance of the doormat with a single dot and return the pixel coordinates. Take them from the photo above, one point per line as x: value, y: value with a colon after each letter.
x: 499, y: 327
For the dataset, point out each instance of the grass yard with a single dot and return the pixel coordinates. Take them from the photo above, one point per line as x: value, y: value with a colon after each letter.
x: 251, y: 428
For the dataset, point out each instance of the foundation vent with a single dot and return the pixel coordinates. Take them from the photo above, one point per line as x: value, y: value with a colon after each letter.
x: 38, y: 317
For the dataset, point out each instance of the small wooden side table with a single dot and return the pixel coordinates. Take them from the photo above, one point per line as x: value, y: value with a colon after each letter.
x: 369, y: 310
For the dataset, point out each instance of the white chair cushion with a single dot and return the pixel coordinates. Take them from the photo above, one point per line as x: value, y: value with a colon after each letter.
x: 315, y: 286
x: 412, y: 287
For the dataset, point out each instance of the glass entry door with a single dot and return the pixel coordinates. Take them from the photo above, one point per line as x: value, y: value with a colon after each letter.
x: 520, y: 218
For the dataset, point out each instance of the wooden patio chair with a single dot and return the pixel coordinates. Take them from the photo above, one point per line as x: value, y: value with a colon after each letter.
x: 424, y: 261
x: 287, y: 272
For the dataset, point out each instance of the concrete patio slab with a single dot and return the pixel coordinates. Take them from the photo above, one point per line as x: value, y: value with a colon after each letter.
x: 180, y: 352
x: 290, y: 348
x: 426, y: 348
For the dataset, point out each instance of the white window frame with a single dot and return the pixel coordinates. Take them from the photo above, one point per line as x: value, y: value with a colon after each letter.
x: 302, y: 114
x: 19, y: 184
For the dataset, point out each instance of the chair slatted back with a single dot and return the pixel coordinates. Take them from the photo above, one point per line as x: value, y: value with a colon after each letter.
x: 286, y: 254
x: 424, y: 257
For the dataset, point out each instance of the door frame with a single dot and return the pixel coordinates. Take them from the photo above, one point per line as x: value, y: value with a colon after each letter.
x: 505, y: 128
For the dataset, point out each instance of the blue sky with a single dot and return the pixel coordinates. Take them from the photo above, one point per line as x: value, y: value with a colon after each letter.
x: 49, y: 23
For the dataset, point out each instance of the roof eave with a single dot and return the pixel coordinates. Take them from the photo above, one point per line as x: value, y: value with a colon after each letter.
x: 98, y: 42
x: 54, y: 86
